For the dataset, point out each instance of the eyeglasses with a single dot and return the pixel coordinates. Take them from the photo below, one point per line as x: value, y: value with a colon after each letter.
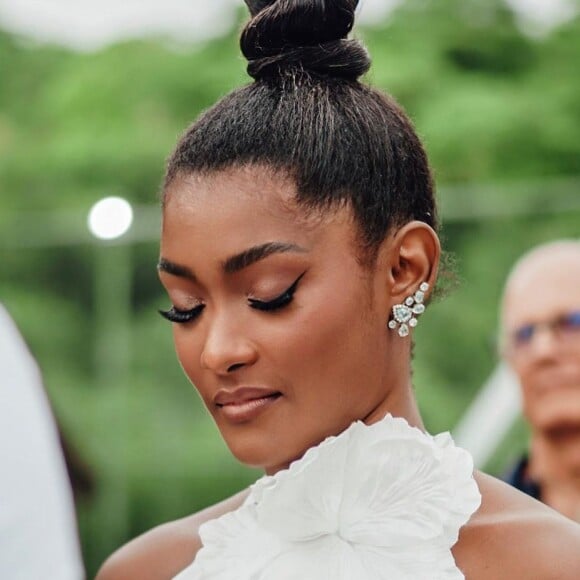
x: 564, y: 328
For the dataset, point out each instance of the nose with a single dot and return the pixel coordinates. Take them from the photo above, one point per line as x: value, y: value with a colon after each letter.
x: 227, y: 347
x: 543, y: 343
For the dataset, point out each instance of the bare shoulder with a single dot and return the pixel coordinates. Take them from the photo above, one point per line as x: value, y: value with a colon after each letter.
x: 164, y: 551
x: 515, y: 536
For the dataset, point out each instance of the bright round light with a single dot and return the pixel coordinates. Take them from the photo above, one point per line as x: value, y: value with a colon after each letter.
x: 110, y: 218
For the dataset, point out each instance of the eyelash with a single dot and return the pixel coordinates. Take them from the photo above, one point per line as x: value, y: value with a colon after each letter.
x: 184, y: 316
x: 181, y: 316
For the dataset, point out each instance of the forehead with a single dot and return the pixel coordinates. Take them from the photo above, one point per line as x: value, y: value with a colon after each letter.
x: 544, y: 285
x: 240, y: 207
x: 247, y: 183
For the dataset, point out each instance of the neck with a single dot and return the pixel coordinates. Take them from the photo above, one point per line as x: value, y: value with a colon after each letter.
x: 400, y: 402
x: 555, y: 465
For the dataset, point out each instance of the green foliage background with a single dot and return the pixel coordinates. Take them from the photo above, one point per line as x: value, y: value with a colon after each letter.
x: 499, y: 113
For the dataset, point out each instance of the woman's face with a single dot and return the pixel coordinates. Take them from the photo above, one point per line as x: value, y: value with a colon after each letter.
x: 280, y: 329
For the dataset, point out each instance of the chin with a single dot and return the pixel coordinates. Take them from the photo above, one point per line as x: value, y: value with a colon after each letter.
x: 569, y: 450
x: 256, y: 451
x: 262, y: 450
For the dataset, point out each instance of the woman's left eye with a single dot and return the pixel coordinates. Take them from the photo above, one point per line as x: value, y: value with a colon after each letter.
x: 280, y: 301
x: 181, y: 316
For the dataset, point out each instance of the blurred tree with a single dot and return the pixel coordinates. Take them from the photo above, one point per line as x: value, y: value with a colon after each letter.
x: 493, y: 105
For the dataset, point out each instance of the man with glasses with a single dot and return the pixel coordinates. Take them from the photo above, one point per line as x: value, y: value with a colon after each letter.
x: 540, y: 340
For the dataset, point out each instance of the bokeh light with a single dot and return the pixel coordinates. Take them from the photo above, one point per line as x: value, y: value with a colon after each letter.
x: 110, y: 218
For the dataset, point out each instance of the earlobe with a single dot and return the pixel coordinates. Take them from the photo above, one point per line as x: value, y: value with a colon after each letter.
x: 414, y: 260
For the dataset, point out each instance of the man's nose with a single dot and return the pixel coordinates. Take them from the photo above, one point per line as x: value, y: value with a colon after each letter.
x: 543, y: 342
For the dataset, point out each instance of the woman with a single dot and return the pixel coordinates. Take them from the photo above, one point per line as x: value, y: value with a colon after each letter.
x: 298, y: 250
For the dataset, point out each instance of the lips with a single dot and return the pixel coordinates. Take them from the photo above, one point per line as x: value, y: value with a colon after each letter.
x: 242, y: 395
x: 244, y: 403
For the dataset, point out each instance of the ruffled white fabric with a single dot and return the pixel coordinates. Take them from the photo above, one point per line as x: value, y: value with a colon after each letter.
x: 378, y: 502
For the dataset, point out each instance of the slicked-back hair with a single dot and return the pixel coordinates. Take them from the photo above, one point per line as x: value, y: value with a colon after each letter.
x: 306, y: 114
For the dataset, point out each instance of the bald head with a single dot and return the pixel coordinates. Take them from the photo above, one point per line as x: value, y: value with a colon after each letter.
x: 548, y: 275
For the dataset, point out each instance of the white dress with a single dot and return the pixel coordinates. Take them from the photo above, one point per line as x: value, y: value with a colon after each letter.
x: 378, y: 502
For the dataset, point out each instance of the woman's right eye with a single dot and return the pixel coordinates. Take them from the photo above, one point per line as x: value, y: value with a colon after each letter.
x: 182, y: 316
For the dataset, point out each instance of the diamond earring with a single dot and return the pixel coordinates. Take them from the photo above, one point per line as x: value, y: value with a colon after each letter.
x: 406, y: 314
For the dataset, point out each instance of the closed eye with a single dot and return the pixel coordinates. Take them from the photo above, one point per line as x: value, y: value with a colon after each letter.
x: 182, y: 316
x: 280, y: 301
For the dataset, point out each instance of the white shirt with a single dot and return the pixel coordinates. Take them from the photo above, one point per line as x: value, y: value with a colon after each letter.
x: 38, y: 537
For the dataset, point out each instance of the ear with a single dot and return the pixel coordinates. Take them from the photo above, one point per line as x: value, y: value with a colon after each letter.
x: 413, y: 258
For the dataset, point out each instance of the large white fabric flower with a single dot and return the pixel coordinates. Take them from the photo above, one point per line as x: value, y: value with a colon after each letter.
x: 378, y: 502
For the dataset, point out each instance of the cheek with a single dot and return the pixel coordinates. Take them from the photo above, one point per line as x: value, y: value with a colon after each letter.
x: 531, y: 397
x: 548, y: 399
x: 327, y: 347
x: 188, y: 352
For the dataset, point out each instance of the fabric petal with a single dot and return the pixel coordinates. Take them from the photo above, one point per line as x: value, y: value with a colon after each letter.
x: 294, y: 508
x: 378, y: 502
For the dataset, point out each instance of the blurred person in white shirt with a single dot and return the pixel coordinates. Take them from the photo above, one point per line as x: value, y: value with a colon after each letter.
x: 38, y: 536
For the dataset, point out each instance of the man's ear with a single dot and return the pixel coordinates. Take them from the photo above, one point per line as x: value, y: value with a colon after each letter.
x: 413, y: 258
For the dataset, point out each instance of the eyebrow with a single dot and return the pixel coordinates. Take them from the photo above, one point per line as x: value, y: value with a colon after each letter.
x: 234, y: 263
x: 174, y: 269
x: 257, y: 253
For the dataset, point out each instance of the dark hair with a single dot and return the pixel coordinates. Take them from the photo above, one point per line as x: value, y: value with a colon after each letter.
x: 307, y: 114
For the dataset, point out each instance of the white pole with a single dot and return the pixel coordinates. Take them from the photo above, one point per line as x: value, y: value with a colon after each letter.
x: 490, y: 416
x: 110, y: 219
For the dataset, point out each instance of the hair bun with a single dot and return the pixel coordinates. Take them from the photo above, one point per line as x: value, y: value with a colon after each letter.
x: 302, y: 34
